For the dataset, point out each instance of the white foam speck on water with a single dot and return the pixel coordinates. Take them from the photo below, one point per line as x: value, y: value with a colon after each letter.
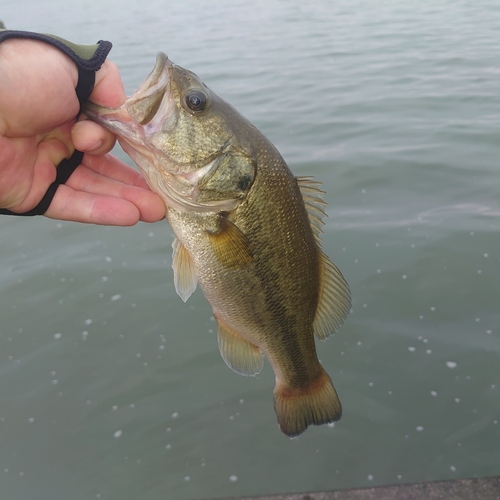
x: 434, y: 393
x: 233, y: 479
x: 419, y: 428
x: 115, y: 297
x: 57, y: 336
x: 412, y: 349
x: 108, y: 259
x: 175, y: 414
x: 117, y: 434
x: 88, y: 322
x: 369, y: 477
x: 451, y: 364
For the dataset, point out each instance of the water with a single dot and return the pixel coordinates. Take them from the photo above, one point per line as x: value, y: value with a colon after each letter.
x: 112, y: 388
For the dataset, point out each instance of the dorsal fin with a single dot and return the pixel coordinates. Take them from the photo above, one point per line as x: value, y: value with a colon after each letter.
x: 334, y: 297
x: 313, y: 200
x: 334, y: 300
x: 185, y: 277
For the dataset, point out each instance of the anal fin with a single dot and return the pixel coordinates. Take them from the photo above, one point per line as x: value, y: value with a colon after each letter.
x: 240, y: 355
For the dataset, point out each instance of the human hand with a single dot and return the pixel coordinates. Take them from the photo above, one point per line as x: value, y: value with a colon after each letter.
x: 38, y: 106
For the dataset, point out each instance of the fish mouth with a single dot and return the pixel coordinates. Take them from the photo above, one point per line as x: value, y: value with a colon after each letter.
x: 148, y: 114
x: 139, y: 116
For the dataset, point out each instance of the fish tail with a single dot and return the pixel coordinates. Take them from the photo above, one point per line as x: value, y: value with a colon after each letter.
x: 297, y: 408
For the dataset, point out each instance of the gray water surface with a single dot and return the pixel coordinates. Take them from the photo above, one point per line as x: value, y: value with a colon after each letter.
x: 111, y: 387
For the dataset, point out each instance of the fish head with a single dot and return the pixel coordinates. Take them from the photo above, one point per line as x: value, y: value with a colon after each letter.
x: 186, y: 140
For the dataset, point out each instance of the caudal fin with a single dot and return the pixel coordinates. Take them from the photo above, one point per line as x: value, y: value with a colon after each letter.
x: 298, y: 408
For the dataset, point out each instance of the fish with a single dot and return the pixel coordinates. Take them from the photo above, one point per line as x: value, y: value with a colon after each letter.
x: 246, y: 230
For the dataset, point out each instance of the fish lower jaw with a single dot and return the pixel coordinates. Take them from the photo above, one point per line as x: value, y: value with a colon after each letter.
x: 186, y: 205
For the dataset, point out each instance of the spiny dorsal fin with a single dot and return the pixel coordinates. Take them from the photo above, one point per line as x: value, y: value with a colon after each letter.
x: 313, y: 200
x: 334, y: 300
x: 239, y: 354
x: 185, y: 278
x: 230, y: 245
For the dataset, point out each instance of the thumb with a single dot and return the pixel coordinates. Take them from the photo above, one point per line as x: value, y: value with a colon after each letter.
x: 108, y: 89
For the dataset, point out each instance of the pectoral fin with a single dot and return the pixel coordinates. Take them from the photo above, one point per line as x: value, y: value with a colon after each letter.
x: 239, y: 354
x: 230, y: 245
x: 185, y: 278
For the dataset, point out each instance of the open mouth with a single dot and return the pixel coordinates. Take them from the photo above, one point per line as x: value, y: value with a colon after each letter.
x: 150, y: 106
x: 145, y: 103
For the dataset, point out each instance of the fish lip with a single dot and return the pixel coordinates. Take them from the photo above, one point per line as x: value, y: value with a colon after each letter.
x: 157, y: 81
x: 156, y: 76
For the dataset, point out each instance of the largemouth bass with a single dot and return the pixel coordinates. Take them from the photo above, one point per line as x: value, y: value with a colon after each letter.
x: 247, y: 230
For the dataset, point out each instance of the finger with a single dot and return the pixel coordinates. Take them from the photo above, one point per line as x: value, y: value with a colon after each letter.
x: 79, y: 206
x: 110, y: 166
x: 108, y: 90
x: 35, y: 173
x: 37, y: 88
x: 149, y: 204
x: 89, y: 137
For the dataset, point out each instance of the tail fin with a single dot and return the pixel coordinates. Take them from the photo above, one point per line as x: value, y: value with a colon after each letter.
x: 297, y: 408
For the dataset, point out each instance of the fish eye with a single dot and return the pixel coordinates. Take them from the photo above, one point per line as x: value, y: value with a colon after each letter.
x: 196, y: 100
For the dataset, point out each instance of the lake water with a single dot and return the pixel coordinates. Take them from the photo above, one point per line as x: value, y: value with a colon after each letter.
x: 111, y: 387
